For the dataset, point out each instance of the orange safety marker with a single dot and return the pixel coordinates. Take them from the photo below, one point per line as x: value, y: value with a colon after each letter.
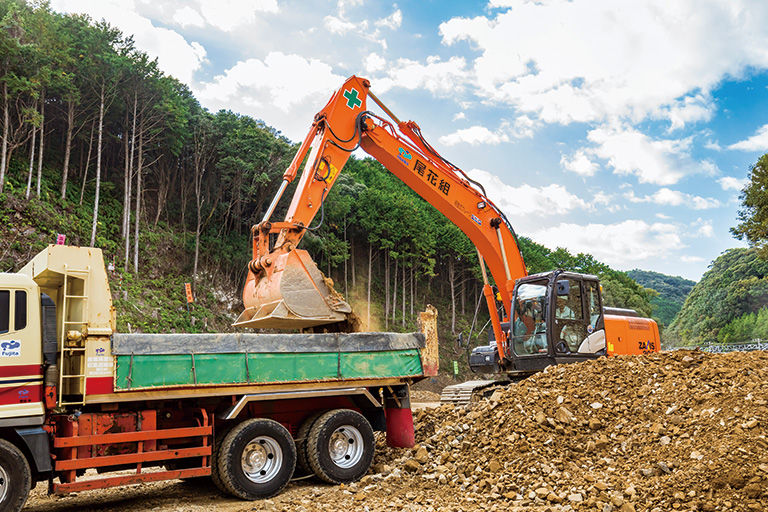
x: 188, y: 288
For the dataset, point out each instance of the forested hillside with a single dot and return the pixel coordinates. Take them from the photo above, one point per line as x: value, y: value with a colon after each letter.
x: 726, y: 304
x: 672, y: 291
x: 100, y: 145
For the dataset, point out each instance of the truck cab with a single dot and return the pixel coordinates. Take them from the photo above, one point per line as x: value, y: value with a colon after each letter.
x: 21, y: 357
x: 559, y: 317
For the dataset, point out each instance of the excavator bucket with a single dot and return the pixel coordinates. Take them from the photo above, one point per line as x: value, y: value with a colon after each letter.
x: 294, y: 295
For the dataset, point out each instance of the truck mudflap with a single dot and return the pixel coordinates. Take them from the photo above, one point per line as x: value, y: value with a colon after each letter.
x: 38, y: 443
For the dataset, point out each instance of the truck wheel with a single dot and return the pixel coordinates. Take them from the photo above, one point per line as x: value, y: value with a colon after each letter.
x: 302, y: 462
x: 15, y: 477
x: 340, y: 446
x: 256, y: 459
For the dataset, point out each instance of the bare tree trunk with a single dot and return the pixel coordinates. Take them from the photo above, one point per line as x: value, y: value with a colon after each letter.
x: 452, y: 283
x: 199, y: 174
x: 394, y: 293
x: 403, y: 296
x: 346, y: 281
x: 128, y: 178
x: 370, y: 266
x: 183, y: 206
x: 87, y: 162
x: 98, y: 169
x: 463, y: 290
x: 67, y: 147
x: 4, y: 149
x: 352, y: 260
x: 413, y: 265
x: 386, y: 290
x: 164, y: 184
x: 197, y: 238
x: 31, y: 163
x: 138, y: 204
x: 42, y: 143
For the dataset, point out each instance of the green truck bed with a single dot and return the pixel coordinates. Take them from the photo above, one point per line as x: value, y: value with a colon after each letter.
x: 157, y: 361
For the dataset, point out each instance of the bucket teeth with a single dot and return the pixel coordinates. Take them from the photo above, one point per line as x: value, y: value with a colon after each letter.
x: 294, y: 296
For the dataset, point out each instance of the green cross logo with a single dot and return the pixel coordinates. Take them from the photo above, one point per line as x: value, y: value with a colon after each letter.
x: 352, y: 99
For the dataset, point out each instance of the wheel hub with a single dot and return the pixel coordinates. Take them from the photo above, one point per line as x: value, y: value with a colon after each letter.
x: 346, y: 446
x: 3, y: 483
x: 262, y: 459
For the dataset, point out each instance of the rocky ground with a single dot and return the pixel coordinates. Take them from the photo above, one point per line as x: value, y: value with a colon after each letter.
x: 675, y: 431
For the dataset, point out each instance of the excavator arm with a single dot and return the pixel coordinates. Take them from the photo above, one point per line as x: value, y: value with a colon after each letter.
x: 285, y: 289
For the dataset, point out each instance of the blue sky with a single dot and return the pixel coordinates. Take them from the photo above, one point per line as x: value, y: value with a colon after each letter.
x: 620, y: 128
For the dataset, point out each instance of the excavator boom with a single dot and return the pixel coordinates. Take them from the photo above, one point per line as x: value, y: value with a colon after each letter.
x: 284, y: 288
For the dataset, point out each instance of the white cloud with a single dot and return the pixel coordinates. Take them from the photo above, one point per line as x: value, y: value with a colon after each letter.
x: 667, y: 197
x: 392, y: 22
x: 339, y: 26
x: 524, y: 127
x: 228, y: 14
x: 175, y: 55
x: 757, y: 142
x: 692, y: 259
x: 563, y: 61
x: 459, y: 116
x: 436, y: 75
x: 474, y: 135
x: 284, y: 90
x: 526, y: 200
x: 731, y: 183
x: 689, y: 109
x: 703, y: 228
x: 374, y: 62
x: 659, y: 161
x: 579, y: 163
x: 621, y: 244
x: 713, y: 145
x: 188, y: 17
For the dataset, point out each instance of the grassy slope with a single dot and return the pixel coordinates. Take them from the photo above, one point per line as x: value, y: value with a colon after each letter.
x: 154, y: 300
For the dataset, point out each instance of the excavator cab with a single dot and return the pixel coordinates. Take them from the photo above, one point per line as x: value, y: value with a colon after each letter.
x: 557, y: 317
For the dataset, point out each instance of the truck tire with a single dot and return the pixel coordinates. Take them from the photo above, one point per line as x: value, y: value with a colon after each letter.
x: 256, y: 459
x: 217, y: 441
x: 302, y: 463
x: 340, y: 446
x: 15, y: 477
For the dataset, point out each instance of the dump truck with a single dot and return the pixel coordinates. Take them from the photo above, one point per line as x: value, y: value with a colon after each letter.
x: 80, y: 401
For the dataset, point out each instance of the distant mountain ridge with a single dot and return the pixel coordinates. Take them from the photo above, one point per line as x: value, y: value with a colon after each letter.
x: 672, y: 292
x: 734, y: 289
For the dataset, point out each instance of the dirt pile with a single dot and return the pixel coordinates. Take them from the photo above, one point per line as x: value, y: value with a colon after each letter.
x: 675, y: 431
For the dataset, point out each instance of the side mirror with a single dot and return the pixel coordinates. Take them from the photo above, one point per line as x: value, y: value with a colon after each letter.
x: 561, y: 348
x: 563, y: 287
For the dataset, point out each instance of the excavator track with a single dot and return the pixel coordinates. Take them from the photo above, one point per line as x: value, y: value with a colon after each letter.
x: 466, y: 392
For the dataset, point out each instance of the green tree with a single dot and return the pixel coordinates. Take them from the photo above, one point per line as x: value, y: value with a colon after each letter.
x: 753, y: 215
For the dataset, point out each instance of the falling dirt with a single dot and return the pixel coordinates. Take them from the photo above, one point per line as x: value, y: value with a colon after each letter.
x: 673, y: 431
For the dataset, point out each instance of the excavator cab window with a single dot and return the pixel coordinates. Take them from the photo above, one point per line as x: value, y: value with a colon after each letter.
x: 529, y: 326
x: 570, y: 325
x: 594, y: 343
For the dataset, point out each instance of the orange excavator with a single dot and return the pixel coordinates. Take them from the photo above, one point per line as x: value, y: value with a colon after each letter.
x: 536, y: 320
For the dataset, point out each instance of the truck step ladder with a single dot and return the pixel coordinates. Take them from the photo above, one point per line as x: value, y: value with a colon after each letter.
x: 73, y: 318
